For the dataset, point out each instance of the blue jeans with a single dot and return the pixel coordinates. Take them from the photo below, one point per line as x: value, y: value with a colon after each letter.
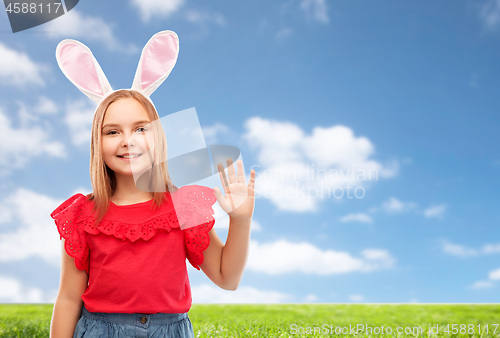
x: 121, y: 325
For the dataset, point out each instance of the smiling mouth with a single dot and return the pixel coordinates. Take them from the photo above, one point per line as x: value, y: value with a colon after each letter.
x: 129, y: 156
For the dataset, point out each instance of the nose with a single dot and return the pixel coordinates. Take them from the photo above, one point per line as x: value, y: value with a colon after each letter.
x: 127, y: 140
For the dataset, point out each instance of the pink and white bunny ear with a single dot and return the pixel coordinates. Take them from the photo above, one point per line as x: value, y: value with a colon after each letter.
x: 158, y: 58
x: 80, y: 66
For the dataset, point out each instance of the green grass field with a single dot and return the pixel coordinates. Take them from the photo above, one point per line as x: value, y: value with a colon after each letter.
x: 293, y: 320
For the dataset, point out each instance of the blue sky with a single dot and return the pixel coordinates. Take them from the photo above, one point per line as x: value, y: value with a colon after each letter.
x: 408, y: 89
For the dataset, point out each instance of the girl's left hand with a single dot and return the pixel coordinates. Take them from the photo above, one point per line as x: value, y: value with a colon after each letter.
x: 239, y: 199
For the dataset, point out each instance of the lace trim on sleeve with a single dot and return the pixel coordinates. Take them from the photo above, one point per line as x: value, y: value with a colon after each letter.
x: 70, y: 219
x: 197, y: 240
x: 195, y: 214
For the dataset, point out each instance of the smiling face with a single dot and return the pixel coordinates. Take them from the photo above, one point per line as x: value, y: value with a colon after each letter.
x: 127, y: 138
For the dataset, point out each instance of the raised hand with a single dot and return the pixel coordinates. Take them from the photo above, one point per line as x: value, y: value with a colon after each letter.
x: 239, y: 198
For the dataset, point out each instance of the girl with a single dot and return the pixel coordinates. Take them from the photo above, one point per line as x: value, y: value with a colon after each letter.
x: 124, y: 249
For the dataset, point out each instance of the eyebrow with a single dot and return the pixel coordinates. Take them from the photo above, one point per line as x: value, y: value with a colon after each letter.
x: 117, y: 125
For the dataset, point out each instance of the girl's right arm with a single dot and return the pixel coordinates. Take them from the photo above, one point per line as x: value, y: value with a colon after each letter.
x: 68, y: 304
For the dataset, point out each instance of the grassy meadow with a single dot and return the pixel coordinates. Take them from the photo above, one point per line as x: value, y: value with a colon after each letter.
x: 300, y: 320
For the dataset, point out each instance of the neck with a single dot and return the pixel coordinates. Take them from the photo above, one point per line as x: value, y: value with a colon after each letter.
x: 127, y: 192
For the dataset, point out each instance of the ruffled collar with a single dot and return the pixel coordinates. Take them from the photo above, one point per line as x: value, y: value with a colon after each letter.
x: 193, y: 206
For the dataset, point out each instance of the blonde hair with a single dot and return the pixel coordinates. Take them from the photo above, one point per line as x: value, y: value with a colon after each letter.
x: 103, y: 178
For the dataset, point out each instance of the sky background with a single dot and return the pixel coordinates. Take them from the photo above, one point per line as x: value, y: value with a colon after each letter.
x: 409, y: 90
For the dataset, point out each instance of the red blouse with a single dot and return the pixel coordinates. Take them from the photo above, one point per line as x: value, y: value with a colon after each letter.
x: 136, y: 257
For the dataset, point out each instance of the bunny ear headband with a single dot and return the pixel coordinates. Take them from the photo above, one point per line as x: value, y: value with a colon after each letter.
x: 79, y: 65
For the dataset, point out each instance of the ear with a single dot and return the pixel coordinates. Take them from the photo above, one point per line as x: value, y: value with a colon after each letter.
x: 157, y: 61
x: 81, y: 68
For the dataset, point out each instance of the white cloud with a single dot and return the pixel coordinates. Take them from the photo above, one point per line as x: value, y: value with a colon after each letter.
x: 212, y: 132
x: 458, y: 250
x: 494, y: 275
x: 315, y: 9
x: 296, y: 170
x: 382, y: 256
x: 255, y: 226
x: 6, y: 215
x: 436, y: 211
x: 17, y: 68
x: 18, y: 146
x: 283, y: 33
x: 311, y: 298
x: 34, y: 231
x: 263, y: 25
x: 482, y: 285
x: 395, y: 206
x: 360, y: 217
x: 282, y: 257
x: 337, y: 145
x: 25, y: 117
x: 156, y: 8
x: 490, y: 14
x: 79, y: 117
x: 356, y: 298
x: 463, y: 251
x: 13, y: 291
x: 148, y: 9
x: 205, y: 293
x: 278, y: 141
x: 491, y: 249
x: 222, y: 220
x: 45, y: 106
x: 204, y: 17
x: 76, y: 25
